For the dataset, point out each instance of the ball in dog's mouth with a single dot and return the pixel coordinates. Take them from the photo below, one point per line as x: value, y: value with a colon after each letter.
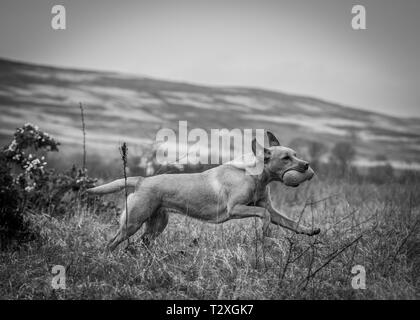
x: 294, y: 178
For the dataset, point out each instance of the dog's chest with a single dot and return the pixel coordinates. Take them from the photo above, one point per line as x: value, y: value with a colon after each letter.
x: 255, y: 196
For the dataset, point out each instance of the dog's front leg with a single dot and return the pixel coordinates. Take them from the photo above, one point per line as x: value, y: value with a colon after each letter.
x: 240, y: 211
x: 284, y: 221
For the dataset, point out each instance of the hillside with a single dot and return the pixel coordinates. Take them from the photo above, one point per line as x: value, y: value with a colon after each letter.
x: 131, y: 108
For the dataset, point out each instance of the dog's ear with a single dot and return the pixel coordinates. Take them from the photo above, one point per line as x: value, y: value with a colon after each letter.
x: 272, y: 140
x: 256, y: 145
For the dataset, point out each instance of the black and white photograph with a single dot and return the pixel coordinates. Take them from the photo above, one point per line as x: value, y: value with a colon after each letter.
x: 210, y: 155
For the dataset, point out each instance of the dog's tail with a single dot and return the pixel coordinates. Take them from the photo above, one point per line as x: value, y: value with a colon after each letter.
x: 115, y: 186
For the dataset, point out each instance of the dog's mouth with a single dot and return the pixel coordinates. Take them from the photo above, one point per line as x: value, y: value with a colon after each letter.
x: 297, y: 168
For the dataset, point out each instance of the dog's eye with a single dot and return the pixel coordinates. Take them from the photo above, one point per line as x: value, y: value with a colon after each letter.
x: 286, y: 158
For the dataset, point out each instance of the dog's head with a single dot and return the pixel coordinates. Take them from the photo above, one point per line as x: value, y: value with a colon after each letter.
x: 282, y: 163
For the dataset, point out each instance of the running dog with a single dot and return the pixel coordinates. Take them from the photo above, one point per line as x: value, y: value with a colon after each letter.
x: 217, y: 195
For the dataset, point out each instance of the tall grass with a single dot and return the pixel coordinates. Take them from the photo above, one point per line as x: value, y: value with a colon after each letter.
x: 369, y: 225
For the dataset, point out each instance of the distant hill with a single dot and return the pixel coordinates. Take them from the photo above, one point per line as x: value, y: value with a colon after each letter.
x: 131, y: 108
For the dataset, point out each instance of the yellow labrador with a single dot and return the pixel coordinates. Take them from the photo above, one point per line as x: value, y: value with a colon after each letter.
x: 217, y: 195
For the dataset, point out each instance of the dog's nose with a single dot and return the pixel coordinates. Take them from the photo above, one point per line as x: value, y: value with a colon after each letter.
x: 306, y: 165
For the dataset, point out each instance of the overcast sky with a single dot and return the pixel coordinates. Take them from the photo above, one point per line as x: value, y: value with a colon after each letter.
x: 304, y: 47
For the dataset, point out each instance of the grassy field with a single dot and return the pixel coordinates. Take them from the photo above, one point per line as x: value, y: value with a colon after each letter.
x: 369, y: 225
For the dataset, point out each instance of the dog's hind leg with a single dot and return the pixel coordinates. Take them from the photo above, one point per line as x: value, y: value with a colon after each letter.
x: 154, y: 226
x: 140, y: 208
